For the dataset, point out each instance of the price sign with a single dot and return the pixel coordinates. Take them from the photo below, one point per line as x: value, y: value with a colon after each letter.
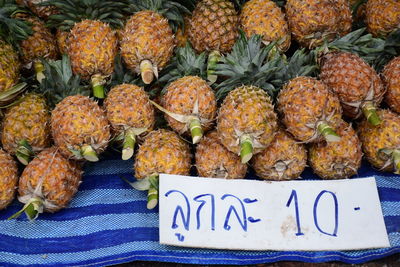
x: 259, y: 215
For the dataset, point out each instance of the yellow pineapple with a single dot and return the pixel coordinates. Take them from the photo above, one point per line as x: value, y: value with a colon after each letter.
x: 214, y: 160
x: 382, y: 16
x: 8, y: 179
x: 265, y: 18
x: 182, y: 34
x: 39, y: 10
x: 62, y: 37
x: 391, y: 78
x: 48, y: 183
x: 9, y: 66
x: 283, y: 159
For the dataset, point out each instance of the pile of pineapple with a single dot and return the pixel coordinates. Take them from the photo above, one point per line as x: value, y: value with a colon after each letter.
x: 270, y: 85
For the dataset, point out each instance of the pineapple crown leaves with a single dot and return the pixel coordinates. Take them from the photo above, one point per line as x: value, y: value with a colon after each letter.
x: 60, y: 82
x: 172, y: 10
x: 13, y: 29
x: 72, y: 11
x: 185, y: 62
x: 249, y: 63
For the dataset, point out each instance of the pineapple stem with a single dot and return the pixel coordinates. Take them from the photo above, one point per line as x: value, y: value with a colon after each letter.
x: 246, y: 148
x: 24, y: 152
x: 129, y: 145
x: 39, y: 69
x: 196, y: 130
x: 396, y: 161
x: 89, y: 153
x: 152, y: 193
x: 32, y: 209
x: 213, y: 59
x: 146, y: 71
x: 370, y: 113
x: 327, y: 132
x: 97, y: 86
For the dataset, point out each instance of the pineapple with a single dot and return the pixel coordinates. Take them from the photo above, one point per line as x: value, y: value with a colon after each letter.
x: 161, y: 152
x: 48, y: 183
x: 214, y: 160
x: 391, y: 78
x: 130, y: 114
x: 214, y: 26
x: 337, y: 160
x: 8, y: 179
x: 147, y: 41
x: 309, y: 110
x: 39, y: 10
x: 283, y: 159
x: 26, y: 127
x: 381, y: 144
x: 246, y: 122
x: 9, y: 66
x: 62, y: 37
x: 182, y: 34
x: 358, y: 86
x: 382, y: 16
x: 314, y: 21
x: 264, y: 17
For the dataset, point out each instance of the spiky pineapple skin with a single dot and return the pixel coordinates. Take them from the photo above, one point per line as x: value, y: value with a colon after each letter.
x: 375, y: 138
x: 283, y: 149
x: 62, y: 37
x: 8, y: 179
x: 41, y: 11
x: 92, y: 47
x: 391, y: 78
x: 41, y: 44
x: 27, y: 120
x: 181, y: 97
x: 265, y: 18
x: 162, y: 152
x: 317, y: 18
x: 305, y: 101
x: 56, y: 177
x: 246, y: 110
x: 382, y: 16
x: 182, y: 34
x: 77, y: 121
x: 128, y: 106
x: 351, y: 79
x: 214, y: 26
x: 147, y: 36
x: 9, y: 66
x: 337, y: 160
x: 214, y: 160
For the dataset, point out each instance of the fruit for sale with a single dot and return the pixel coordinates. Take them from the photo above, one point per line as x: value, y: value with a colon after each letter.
x: 283, y: 159
x: 309, y: 110
x: 161, y: 152
x: 182, y: 34
x: 9, y: 66
x: 381, y: 144
x: 340, y: 159
x: 130, y: 114
x: 391, y: 78
x: 314, y: 21
x: 382, y: 16
x: 26, y: 127
x: 39, y: 10
x: 48, y: 183
x: 62, y: 37
x: 265, y: 18
x: 214, y: 160
x: 8, y: 179
x: 357, y: 85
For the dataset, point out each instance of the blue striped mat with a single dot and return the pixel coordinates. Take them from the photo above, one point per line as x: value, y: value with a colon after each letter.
x: 107, y: 223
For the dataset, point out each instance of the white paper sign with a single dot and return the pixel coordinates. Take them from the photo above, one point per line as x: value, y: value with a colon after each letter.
x: 259, y: 215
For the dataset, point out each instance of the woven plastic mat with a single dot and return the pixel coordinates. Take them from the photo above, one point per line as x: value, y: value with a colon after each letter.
x: 107, y: 223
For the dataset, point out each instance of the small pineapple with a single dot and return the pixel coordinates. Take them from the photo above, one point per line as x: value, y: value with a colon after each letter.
x: 310, y: 111
x: 48, y: 183
x: 39, y: 10
x: 62, y: 37
x: 357, y: 85
x: 314, y: 21
x: 26, y: 127
x: 381, y: 144
x: 182, y: 34
x: 161, y: 152
x: 214, y: 160
x: 265, y: 18
x: 337, y: 160
x: 8, y: 179
x: 130, y: 114
x: 246, y: 122
x: 382, y: 16
x: 283, y: 159
x: 9, y: 66
x: 391, y: 78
